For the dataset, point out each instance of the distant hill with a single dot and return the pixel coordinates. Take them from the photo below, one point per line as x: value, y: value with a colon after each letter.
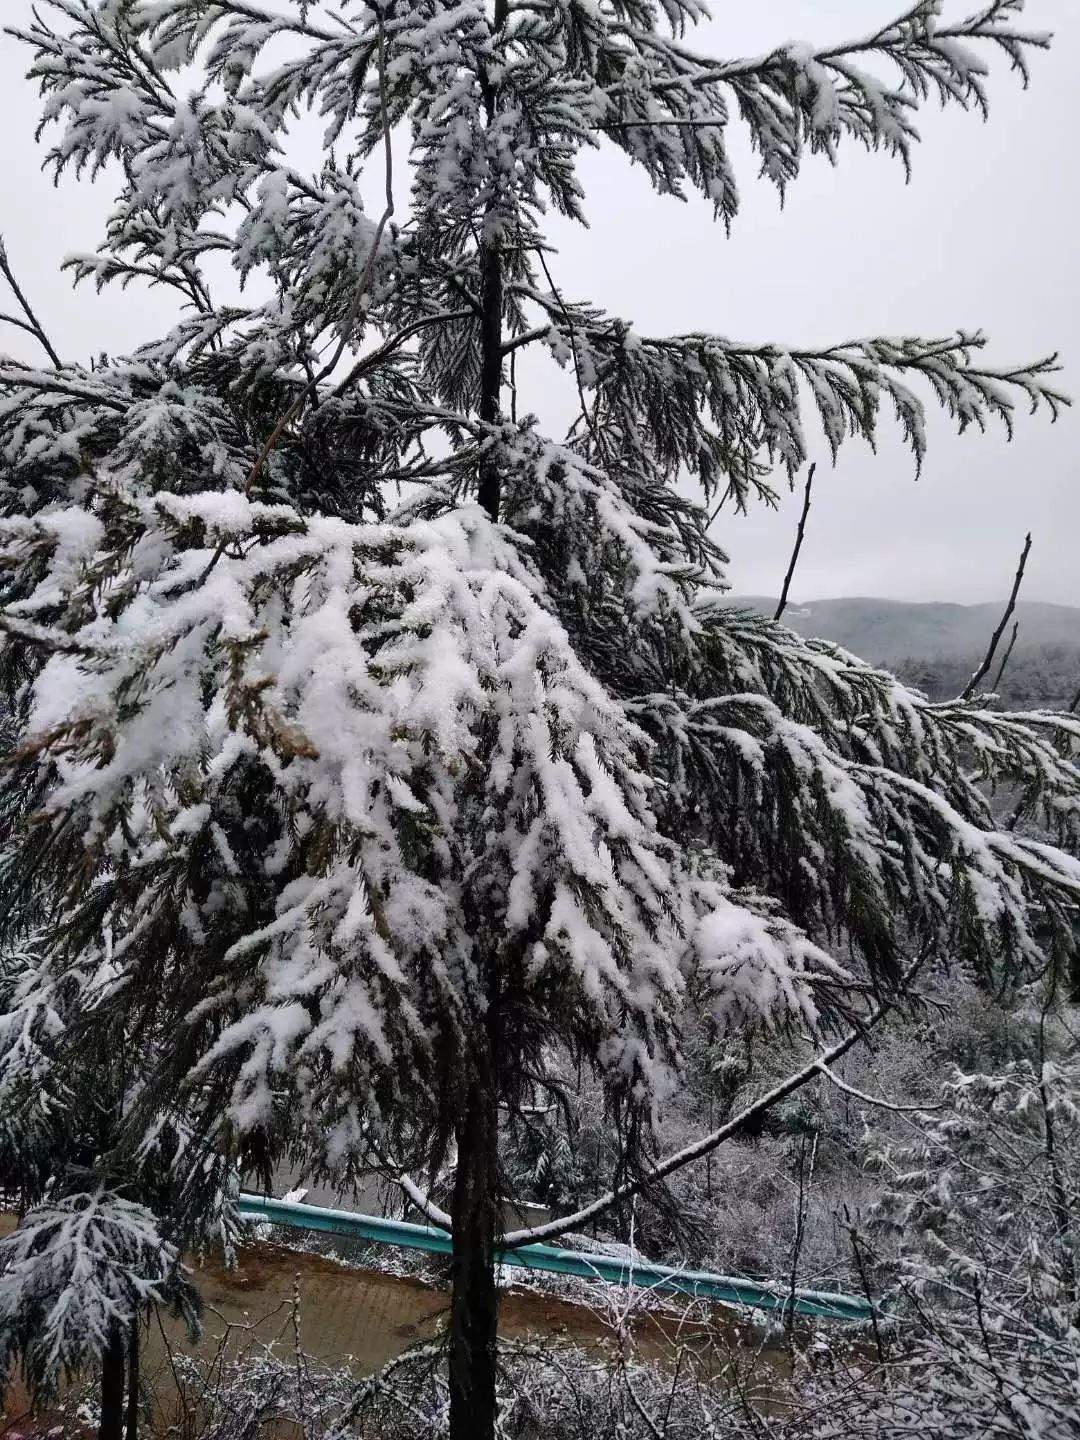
x: 887, y: 631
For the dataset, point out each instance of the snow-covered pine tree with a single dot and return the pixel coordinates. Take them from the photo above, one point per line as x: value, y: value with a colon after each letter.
x: 377, y: 816
x: 75, y: 1277
x: 101, y: 1224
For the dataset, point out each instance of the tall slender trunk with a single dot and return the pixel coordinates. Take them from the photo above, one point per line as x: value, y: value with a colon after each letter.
x: 491, y: 306
x: 113, y: 1365
x: 491, y: 301
x: 131, y: 1423
x: 474, y: 1304
x: 475, y: 1210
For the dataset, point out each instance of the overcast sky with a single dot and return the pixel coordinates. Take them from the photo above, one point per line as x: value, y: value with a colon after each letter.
x: 985, y: 235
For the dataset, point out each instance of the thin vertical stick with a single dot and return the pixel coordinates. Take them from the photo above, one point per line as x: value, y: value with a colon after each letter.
x: 131, y: 1414
x: 864, y: 1280
x: 1008, y: 653
x: 995, y: 639
x: 806, y: 1176
x: 798, y: 544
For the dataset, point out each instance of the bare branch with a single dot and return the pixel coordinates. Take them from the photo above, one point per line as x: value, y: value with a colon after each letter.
x: 995, y: 639
x: 798, y: 544
x: 1008, y: 653
x: 33, y: 324
x: 586, y: 415
x: 862, y: 1096
x: 806, y: 1176
x: 705, y: 1146
x: 426, y: 1206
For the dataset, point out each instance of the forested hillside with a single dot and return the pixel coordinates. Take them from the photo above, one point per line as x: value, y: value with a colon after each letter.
x: 937, y: 648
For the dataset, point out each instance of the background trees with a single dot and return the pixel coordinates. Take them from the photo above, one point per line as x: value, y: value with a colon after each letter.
x: 377, y: 755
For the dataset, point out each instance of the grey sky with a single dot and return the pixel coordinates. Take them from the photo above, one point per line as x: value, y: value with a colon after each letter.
x: 984, y: 235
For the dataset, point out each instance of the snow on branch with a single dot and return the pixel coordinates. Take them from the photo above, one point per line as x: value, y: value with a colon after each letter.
x: 397, y: 688
x: 873, y: 803
x: 72, y: 1270
x: 697, y: 1149
x: 714, y: 407
x: 668, y: 107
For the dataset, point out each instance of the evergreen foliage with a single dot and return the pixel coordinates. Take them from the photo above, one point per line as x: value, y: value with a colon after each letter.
x: 375, y: 751
x: 77, y: 1272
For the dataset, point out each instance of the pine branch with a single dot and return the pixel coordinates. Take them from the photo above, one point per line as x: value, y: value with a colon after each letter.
x: 43, y: 638
x: 995, y: 639
x: 706, y: 404
x: 360, y: 299
x: 798, y: 545
x: 672, y: 114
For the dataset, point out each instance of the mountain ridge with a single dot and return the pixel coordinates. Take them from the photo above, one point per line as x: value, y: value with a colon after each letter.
x: 882, y: 630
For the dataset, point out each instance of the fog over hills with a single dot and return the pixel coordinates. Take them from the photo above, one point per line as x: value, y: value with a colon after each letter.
x: 886, y: 631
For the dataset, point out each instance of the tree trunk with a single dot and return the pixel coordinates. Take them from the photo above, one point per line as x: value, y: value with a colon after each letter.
x: 491, y: 308
x: 491, y: 304
x: 112, y: 1386
x: 131, y: 1424
x: 474, y: 1304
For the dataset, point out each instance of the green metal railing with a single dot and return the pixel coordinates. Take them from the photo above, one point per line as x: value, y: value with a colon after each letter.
x: 614, y: 1270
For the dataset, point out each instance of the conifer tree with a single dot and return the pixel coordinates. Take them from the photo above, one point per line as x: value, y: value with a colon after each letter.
x: 376, y: 752
x: 100, y: 1227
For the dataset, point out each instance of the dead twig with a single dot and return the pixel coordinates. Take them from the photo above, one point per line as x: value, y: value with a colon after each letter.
x: 1008, y: 654
x: 995, y: 639
x: 32, y: 325
x: 806, y: 1177
x: 586, y: 414
x: 800, y: 533
x: 864, y: 1281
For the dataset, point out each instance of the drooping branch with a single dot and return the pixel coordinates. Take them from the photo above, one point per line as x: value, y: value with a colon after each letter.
x: 798, y: 544
x: 995, y: 639
x: 705, y: 1146
x: 876, y: 1100
x: 718, y: 408
x: 671, y: 110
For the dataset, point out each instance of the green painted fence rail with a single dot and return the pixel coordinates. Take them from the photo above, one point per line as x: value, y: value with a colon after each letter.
x: 615, y: 1270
